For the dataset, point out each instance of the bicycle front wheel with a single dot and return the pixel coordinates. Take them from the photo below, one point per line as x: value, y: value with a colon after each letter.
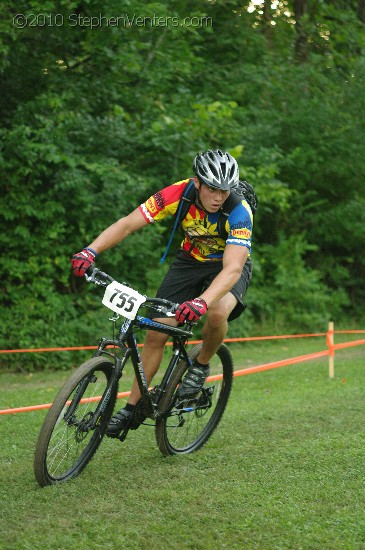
x: 68, y: 439
x: 186, y: 424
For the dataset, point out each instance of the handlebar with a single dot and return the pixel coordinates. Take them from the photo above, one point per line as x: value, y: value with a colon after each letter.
x: 98, y: 277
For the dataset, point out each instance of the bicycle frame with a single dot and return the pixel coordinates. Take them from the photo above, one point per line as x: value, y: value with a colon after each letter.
x: 73, y: 429
x: 126, y: 341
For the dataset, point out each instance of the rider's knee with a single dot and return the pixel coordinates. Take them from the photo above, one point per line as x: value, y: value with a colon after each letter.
x: 219, y: 312
x: 155, y: 339
x: 217, y: 315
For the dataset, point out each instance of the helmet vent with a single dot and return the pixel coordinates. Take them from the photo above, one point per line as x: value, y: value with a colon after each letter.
x: 216, y: 169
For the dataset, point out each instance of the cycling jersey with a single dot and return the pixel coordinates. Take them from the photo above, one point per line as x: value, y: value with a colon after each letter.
x: 201, y: 237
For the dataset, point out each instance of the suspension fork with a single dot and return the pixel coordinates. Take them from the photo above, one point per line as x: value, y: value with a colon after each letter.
x: 77, y: 397
x: 113, y: 382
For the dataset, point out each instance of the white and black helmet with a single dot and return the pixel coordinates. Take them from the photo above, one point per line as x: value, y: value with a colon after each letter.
x: 216, y: 169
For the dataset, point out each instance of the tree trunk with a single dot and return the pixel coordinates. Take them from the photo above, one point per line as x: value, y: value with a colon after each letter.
x: 301, y: 43
x: 266, y: 23
x: 361, y: 10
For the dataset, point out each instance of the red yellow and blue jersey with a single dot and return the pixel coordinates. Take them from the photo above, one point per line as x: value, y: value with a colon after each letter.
x: 201, y: 236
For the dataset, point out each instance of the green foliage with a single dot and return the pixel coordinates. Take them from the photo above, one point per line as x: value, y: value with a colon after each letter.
x: 294, y: 295
x: 95, y: 119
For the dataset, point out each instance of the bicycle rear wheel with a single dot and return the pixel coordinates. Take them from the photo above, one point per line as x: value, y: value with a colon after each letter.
x: 67, y: 442
x: 188, y: 423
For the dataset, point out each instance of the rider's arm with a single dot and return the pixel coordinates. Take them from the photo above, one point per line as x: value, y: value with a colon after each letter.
x: 234, y: 259
x: 156, y: 207
x: 118, y: 231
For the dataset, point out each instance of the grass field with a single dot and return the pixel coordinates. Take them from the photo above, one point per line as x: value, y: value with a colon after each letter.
x: 284, y: 470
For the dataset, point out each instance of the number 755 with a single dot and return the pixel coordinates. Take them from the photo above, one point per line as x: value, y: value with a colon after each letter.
x: 121, y: 298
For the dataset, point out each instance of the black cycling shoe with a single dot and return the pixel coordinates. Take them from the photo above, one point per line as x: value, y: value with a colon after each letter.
x: 120, y: 421
x: 194, y: 380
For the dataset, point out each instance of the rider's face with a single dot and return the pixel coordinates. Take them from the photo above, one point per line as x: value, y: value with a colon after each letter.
x: 211, y: 199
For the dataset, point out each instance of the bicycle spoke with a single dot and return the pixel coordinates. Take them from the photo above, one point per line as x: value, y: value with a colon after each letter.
x: 190, y: 422
x: 66, y: 442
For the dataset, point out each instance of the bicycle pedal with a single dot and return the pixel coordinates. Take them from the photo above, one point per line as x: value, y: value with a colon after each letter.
x: 186, y: 402
x: 112, y: 436
x: 122, y: 436
x: 134, y: 426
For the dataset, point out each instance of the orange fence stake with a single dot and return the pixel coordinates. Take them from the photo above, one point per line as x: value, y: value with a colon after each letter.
x: 331, y: 350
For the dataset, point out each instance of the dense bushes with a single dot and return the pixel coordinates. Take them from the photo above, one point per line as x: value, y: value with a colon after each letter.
x: 95, y: 120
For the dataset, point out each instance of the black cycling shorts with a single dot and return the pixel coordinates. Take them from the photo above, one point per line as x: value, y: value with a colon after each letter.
x: 187, y: 278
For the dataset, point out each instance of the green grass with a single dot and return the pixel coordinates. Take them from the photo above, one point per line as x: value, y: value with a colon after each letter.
x: 284, y: 470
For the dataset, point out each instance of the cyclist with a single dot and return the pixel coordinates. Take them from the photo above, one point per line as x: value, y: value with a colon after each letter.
x: 209, y: 276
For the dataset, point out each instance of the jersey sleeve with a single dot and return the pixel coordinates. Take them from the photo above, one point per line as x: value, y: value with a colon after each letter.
x: 163, y: 203
x: 239, y: 226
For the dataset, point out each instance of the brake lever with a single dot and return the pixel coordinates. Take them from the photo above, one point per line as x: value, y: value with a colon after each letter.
x: 90, y: 274
x: 90, y: 278
x: 169, y: 314
x: 93, y: 279
x: 98, y: 277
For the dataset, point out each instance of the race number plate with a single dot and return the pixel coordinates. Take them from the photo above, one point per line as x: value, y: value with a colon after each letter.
x: 123, y: 300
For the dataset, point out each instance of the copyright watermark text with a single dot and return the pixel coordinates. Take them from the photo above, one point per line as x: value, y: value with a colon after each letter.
x: 21, y: 21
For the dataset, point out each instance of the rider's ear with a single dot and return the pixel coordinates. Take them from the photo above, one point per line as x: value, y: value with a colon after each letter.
x: 196, y: 183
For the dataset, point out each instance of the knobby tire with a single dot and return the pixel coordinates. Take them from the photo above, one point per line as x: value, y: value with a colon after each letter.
x: 63, y: 450
x: 185, y: 429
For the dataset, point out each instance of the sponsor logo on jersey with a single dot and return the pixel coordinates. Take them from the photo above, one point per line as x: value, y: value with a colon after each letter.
x: 151, y: 205
x: 244, y: 233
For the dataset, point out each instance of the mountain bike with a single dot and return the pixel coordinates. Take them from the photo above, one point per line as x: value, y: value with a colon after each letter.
x: 77, y: 420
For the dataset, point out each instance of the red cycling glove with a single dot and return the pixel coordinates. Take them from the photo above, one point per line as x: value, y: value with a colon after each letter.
x: 82, y: 260
x: 191, y: 311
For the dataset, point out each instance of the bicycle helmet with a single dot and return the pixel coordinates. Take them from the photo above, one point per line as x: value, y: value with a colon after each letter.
x: 216, y: 169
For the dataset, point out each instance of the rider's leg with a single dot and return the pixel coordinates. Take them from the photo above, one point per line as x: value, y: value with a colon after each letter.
x: 214, y: 331
x: 216, y: 327
x: 151, y: 356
